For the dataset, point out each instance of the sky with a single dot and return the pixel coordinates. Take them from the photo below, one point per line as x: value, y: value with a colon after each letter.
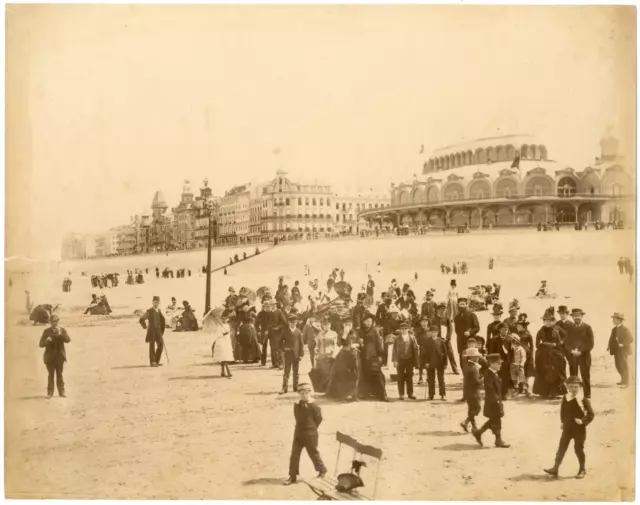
x: 107, y: 104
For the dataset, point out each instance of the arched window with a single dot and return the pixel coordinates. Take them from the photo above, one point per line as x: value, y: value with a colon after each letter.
x: 287, y: 201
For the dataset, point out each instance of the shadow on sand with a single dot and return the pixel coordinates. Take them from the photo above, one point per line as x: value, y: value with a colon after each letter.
x: 41, y: 397
x: 458, y: 447
x: 196, y: 377
x: 130, y: 367
x: 536, y: 477
x: 443, y: 433
x: 263, y: 481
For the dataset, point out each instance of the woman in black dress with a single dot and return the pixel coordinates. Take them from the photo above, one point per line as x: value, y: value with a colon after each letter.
x: 527, y: 342
x: 550, y: 363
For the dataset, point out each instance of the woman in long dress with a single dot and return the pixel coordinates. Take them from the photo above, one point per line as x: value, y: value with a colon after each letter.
x: 221, y: 350
x: 452, y: 300
x: 550, y: 363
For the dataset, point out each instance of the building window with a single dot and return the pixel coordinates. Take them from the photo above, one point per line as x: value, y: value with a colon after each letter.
x: 369, y: 205
x: 337, y: 219
x: 328, y: 202
x: 537, y: 191
x: 287, y: 201
x: 299, y: 201
x: 337, y: 206
x: 306, y: 201
x: 314, y: 201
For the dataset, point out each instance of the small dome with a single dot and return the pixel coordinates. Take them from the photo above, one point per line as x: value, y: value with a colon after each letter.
x: 159, y: 201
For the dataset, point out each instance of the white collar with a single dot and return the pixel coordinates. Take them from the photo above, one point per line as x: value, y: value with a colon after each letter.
x: 579, y: 397
x: 618, y: 325
x: 309, y: 401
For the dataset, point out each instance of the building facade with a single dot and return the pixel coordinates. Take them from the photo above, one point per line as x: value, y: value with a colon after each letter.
x: 347, y: 215
x: 509, y: 181
x: 234, y: 215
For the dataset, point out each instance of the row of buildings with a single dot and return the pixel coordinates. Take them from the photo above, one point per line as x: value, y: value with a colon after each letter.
x: 246, y: 214
x: 507, y: 181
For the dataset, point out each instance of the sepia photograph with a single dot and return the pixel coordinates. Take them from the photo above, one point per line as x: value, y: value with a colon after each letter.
x: 320, y: 252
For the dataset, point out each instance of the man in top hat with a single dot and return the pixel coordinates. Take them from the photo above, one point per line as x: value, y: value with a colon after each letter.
x: 55, y: 355
x: 429, y: 307
x: 466, y: 325
x: 564, y: 323
x: 445, y: 330
x: 578, y: 345
x: 155, y: 331
x: 293, y: 350
x: 358, y: 311
x: 493, y: 407
x: 502, y: 346
x: 620, y: 347
x: 492, y: 328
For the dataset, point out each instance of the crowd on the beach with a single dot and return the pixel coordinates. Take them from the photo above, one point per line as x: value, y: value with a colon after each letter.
x: 355, y: 347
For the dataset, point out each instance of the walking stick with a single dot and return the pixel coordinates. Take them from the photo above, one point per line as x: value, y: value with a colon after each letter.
x: 426, y: 384
x: 166, y: 353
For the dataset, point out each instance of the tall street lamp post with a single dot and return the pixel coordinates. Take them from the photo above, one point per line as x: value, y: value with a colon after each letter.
x: 212, y: 225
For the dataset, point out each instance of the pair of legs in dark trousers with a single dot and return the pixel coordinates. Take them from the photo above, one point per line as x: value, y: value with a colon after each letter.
x: 405, y: 376
x: 312, y: 356
x: 374, y: 380
x: 309, y: 441
x: 155, y: 354
x: 55, y: 367
x: 495, y: 425
x: 620, y: 358
x: 451, y: 356
x: 578, y: 435
x: 431, y: 380
x: 290, y: 361
x: 582, y: 365
x: 473, y: 409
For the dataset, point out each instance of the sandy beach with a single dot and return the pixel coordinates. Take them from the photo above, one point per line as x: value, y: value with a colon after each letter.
x: 180, y: 431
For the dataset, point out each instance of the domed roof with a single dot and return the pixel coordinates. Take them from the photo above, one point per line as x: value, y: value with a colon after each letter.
x: 159, y: 201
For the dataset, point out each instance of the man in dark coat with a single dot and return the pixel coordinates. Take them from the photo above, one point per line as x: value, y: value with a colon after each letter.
x: 383, y: 310
x: 435, y: 359
x: 502, y: 346
x: 293, y: 350
x: 429, y: 307
x: 493, y: 407
x: 442, y: 321
x: 55, y: 355
x: 578, y: 345
x: 563, y: 324
x: 620, y: 347
x: 358, y: 312
x: 276, y: 325
x: 155, y: 331
x: 471, y: 384
x: 466, y: 325
x: 372, y: 353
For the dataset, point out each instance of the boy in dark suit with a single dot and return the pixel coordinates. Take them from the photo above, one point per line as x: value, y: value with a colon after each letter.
x: 620, y: 347
x: 293, y: 349
x: 155, y: 331
x: 53, y: 340
x: 471, y: 385
x: 575, y: 415
x: 308, y: 417
x: 493, y: 407
x: 435, y: 356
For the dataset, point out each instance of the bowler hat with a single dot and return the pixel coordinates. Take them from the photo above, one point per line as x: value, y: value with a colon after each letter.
x: 441, y: 306
x: 573, y: 380
x: 433, y: 327
x: 368, y: 315
x: 429, y: 292
x: 424, y: 318
x: 54, y: 318
x: 292, y: 317
x: 471, y: 352
x: 494, y: 358
x: 404, y: 326
x: 156, y: 298
x: 577, y: 311
x: 502, y: 325
x: 497, y: 310
x: 618, y: 315
x: 562, y: 309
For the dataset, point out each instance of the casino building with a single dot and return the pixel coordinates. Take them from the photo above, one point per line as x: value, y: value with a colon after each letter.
x: 512, y: 180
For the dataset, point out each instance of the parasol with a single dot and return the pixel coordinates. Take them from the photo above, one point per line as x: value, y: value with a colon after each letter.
x: 263, y: 290
x: 343, y: 288
x: 248, y: 294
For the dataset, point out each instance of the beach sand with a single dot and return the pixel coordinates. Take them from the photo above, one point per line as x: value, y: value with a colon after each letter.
x: 180, y: 431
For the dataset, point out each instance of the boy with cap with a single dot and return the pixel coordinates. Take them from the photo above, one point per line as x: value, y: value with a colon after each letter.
x: 293, y: 350
x: 308, y: 416
x: 575, y: 415
x: 445, y: 330
x: 406, y: 355
x: 53, y: 340
x: 493, y: 407
x: 502, y: 346
x: 155, y: 331
x: 620, y: 347
x: 435, y: 356
x: 471, y: 384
